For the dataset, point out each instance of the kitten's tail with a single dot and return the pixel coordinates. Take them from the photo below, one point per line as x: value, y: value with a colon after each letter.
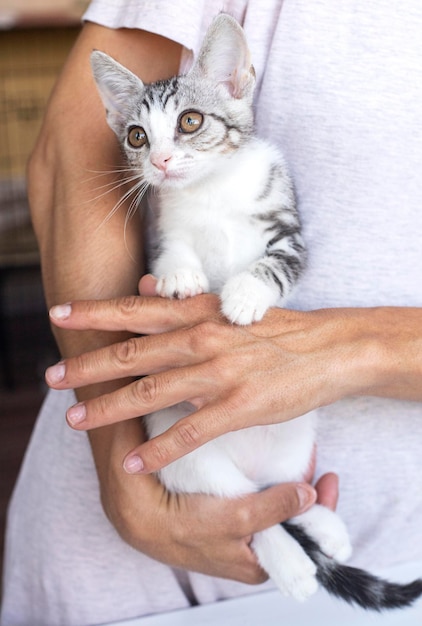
x: 354, y: 585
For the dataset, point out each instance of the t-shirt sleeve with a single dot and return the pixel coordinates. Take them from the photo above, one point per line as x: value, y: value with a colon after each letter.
x: 181, y: 21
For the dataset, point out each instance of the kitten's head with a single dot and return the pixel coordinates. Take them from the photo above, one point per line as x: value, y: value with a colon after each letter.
x: 175, y: 131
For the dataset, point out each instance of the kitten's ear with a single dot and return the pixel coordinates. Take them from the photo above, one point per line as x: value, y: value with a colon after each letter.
x: 118, y: 88
x: 224, y: 57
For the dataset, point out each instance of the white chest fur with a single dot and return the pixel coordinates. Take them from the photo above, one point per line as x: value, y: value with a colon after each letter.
x: 239, y: 462
x: 218, y: 218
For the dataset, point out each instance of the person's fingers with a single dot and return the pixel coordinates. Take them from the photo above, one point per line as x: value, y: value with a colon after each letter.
x: 208, y: 422
x: 136, y: 314
x: 147, y: 285
x: 239, y: 518
x: 327, y: 489
x: 147, y: 395
x: 272, y: 506
x: 136, y: 356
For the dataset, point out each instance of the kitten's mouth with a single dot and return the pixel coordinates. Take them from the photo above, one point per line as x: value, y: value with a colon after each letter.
x: 172, y: 177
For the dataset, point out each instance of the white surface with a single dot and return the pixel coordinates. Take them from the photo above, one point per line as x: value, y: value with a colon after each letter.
x: 272, y: 609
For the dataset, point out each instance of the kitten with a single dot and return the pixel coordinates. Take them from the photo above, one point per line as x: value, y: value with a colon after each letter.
x: 226, y: 222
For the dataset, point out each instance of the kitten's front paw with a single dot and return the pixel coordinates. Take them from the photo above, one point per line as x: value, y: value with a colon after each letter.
x: 245, y: 299
x: 182, y: 283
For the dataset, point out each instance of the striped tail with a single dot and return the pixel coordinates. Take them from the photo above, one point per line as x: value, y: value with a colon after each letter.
x: 354, y: 585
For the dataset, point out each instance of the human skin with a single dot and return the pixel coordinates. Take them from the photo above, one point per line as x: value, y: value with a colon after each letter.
x: 192, y: 354
x: 84, y: 255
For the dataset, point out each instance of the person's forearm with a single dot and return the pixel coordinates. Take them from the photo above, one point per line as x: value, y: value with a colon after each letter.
x: 84, y: 255
x: 74, y: 163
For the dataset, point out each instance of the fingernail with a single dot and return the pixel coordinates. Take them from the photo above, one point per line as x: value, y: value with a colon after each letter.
x: 76, y: 414
x: 306, y: 495
x: 133, y: 464
x: 55, y: 373
x: 61, y: 312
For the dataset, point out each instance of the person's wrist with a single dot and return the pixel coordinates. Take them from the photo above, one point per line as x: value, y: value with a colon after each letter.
x: 122, y: 495
x: 376, y: 358
x: 360, y: 363
x: 394, y: 365
x: 111, y: 443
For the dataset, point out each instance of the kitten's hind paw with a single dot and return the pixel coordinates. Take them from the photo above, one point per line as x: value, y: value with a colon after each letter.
x: 287, y: 564
x: 328, y: 530
x: 182, y: 283
x: 246, y: 299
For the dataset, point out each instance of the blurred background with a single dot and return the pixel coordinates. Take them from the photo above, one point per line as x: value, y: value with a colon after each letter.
x: 35, y: 38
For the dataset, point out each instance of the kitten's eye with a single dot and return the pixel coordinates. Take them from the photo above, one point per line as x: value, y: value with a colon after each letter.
x: 190, y: 121
x: 137, y: 137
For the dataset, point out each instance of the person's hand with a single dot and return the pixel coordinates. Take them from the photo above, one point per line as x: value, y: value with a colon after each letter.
x: 282, y: 367
x: 198, y: 532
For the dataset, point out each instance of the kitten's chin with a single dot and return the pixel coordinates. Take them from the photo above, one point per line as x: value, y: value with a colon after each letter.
x: 174, y: 180
x: 165, y: 179
x: 170, y: 181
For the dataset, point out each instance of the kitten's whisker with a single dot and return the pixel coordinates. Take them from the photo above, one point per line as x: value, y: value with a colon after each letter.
x: 138, y: 189
x: 121, y: 176
x: 133, y: 207
x: 113, y: 170
x: 114, y: 186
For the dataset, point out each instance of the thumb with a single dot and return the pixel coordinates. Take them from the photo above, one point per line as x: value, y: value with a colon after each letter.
x: 278, y: 504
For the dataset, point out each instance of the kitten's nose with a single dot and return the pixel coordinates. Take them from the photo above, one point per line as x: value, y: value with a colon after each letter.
x: 160, y: 160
